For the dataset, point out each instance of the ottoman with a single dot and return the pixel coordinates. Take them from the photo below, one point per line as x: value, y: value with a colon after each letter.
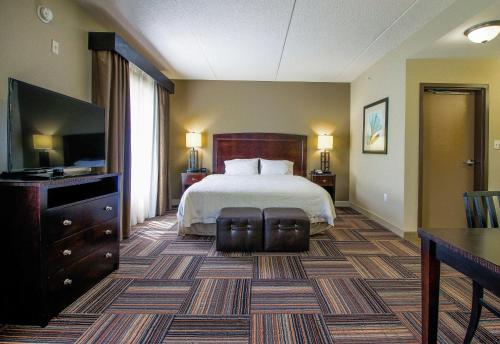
x: 286, y: 230
x: 239, y: 229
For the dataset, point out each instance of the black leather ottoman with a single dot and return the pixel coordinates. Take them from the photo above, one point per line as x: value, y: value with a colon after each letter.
x: 239, y: 229
x: 286, y: 230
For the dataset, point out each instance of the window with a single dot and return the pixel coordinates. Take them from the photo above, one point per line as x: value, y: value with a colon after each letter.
x: 144, y: 146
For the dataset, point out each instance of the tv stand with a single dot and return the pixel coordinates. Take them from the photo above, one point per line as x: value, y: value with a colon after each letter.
x: 59, y: 238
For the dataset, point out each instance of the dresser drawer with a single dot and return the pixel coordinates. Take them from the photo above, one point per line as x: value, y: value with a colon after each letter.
x: 67, y: 284
x: 67, y: 251
x: 61, y: 222
x: 326, y: 180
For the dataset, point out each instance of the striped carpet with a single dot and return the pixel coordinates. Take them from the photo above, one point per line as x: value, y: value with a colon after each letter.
x: 358, y: 283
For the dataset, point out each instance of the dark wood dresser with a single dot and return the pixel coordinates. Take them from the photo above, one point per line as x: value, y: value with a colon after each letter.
x: 58, y: 238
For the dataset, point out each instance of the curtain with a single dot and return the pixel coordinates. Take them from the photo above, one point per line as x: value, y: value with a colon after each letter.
x: 144, y: 146
x: 110, y: 89
x: 163, y: 106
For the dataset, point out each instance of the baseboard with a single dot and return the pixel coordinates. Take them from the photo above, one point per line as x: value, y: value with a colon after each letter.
x: 412, y: 237
x: 341, y: 204
x: 378, y: 219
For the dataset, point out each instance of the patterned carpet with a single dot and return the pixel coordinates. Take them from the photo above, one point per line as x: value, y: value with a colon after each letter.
x: 358, y: 283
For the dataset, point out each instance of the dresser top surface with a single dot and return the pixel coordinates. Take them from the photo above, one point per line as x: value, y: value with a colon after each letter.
x: 67, y: 180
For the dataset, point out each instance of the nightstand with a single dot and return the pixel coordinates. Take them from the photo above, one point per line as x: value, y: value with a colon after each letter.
x: 327, y: 181
x: 189, y: 178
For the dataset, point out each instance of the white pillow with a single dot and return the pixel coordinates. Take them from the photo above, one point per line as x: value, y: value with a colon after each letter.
x: 242, y: 167
x: 276, y: 167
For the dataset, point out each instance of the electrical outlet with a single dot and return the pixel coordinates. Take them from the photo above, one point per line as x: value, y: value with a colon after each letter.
x: 386, y: 197
x: 55, y: 47
x: 496, y: 144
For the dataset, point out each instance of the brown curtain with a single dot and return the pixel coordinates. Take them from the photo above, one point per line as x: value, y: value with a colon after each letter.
x: 111, y: 90
x: 163, y: 200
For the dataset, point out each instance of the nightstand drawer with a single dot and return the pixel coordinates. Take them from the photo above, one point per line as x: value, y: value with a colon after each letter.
x: 326, y: 180
x: 190, y: 178
x: 193, y: 178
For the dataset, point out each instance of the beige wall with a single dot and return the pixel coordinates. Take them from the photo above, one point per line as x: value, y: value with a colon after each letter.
x: 373, y: 175
x: 25, y: 52
x: 213, y: 107
x: 460, y: 71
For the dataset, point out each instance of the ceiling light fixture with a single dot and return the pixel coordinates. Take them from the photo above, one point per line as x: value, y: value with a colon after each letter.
x: 484, y: 32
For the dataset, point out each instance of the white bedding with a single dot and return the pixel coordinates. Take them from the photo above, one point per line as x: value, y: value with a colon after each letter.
x: 202, y: 202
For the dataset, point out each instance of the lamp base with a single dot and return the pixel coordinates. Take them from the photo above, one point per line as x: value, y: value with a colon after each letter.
x: 325, y: 161
x: 43, y: 159
x: 193, y: 161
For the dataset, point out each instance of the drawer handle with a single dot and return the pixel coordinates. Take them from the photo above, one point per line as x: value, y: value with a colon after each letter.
x: 109, y: 255
x: 108, y: 208
x: 108, y: 231
x: 67, y: 222
x: 324, y: 180
x: 194, y: 179
x: 296, y: 227
x: 68, y: 281
x: 241, y: 228
x: 67, y: 253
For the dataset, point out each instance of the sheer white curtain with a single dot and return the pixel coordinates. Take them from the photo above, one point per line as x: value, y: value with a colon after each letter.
x: 144, y: 146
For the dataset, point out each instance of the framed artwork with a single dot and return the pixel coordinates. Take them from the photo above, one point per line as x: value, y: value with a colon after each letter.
x: 375, y: 127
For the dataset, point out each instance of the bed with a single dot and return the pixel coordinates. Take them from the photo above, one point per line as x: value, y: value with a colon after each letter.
x: 201, y: 203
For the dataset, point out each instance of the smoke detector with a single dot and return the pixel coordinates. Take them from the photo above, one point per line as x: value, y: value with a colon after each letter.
x: 45, y: 14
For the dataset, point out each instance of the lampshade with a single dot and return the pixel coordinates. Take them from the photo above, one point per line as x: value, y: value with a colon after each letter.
x: 42, y: 142
x: 325, y: 142
x: 193, y: 140
x: 483, y: 32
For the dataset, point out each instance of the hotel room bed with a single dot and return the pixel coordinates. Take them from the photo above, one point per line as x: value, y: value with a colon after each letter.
x: 201, y: 203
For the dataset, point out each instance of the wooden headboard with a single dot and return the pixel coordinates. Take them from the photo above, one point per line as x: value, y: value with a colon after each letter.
x: 261, y: 145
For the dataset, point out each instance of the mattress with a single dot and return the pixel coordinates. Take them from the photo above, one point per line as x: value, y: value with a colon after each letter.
x: 202, y: 202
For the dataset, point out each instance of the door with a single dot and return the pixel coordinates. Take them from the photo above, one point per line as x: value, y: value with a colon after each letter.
x: 447, y: 157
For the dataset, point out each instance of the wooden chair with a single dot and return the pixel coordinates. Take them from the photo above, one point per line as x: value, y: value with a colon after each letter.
x: 481, y: 213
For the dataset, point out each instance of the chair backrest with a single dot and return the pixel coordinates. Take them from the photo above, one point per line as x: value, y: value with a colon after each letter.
x: 479, y: 206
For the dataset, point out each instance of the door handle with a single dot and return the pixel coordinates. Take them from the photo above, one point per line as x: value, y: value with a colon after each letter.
x: 469, y: 162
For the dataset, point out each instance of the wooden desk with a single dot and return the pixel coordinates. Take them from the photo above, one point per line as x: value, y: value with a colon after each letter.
x: 473, y: 252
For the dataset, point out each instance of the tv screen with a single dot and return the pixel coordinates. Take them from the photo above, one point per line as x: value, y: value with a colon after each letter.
x: 48, y: 129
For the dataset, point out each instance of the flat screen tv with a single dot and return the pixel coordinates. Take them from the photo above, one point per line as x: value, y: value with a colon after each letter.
x: 49, y: 130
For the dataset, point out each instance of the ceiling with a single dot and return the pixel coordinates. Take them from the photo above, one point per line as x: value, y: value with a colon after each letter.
x: 270, y: 40
x: 455, y: 44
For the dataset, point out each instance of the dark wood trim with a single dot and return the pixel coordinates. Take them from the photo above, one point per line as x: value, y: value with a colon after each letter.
x: 481, y: 124
x: 270, y: 146
x: 386, y: 101
x: 430, y: 271
x: 113, y: 42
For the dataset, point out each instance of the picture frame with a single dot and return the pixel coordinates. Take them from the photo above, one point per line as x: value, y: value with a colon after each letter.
x: 375, y: 125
